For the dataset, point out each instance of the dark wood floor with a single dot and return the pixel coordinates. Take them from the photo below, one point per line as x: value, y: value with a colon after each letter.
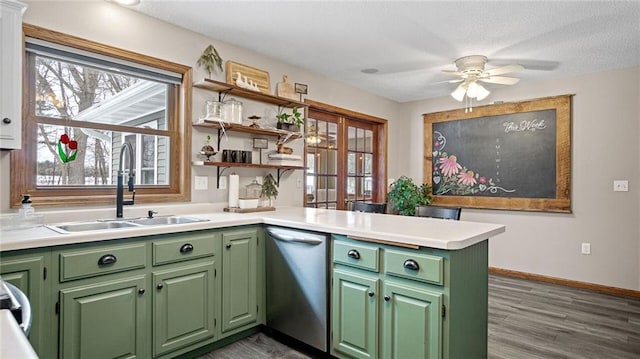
x: 527, y: 319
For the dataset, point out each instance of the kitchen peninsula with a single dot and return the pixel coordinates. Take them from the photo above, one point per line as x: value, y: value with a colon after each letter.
x: 411, y: 277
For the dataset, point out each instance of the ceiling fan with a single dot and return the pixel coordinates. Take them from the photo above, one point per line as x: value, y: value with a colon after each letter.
x: 471, y: 69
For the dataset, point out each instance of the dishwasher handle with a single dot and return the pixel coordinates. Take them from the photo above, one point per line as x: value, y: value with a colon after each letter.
x: 292, y: 236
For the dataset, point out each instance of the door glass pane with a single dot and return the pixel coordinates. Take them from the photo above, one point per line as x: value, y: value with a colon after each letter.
x: 368, y: 141
x: 360, y: 139
x: 321, y: 158
x: 367, y: 164
x: 332, y: 135
x: 351, y: 163
x: 332, y: 162
x: 351, y: 139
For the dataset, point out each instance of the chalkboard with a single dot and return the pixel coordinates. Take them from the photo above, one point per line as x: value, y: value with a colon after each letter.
x: 495, y: 155
x: 506, y: 156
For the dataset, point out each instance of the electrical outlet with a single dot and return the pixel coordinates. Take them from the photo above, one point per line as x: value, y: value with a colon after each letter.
x: 586, y: 248
x: 223, y: 182
x: 621, y: 186
x: 201, y: 182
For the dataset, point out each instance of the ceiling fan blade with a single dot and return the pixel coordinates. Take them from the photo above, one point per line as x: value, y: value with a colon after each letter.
x: 504, y: 70
x: 452, y: 72
x: 448, y: 81
x: 501, y: 80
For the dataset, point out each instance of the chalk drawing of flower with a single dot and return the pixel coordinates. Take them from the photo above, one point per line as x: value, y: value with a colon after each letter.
x: 450, y: 177
x: 466, y: 178
x: 449, y: 165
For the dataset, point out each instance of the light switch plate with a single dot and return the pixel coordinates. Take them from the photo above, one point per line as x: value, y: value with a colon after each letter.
x: 621, y: 186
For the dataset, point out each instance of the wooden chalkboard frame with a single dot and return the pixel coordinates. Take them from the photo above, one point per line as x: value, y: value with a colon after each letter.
x: 561, y: 203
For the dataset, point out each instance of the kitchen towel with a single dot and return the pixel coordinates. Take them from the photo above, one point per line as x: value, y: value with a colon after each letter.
x: 234, y: 190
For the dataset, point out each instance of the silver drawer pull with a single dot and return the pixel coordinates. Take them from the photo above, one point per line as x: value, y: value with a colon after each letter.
x: 107, y: 259
x: 352, y: 253
x: 411, y: 264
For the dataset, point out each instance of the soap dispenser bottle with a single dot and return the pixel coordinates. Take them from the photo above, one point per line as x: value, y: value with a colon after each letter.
x: 26, y: 210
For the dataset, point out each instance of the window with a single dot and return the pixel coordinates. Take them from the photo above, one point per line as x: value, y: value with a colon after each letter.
x: 82, y: 102
x: 345, y: 157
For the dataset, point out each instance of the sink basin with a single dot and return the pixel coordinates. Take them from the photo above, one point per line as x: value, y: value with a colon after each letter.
x: 121, y: 223
x: 166, y: 220
x: 91, y: 226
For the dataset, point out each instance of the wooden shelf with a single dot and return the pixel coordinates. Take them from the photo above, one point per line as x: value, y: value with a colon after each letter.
x: 251, y: 165
x: 224, y: 88
x: 222, y: 166
x: 248, y: 129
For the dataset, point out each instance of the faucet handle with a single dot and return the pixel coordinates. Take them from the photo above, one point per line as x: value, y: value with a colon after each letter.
x: 132, y: 201
x: 151, y: 213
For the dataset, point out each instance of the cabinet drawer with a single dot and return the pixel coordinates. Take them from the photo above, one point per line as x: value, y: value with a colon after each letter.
x: 84, y: 263
x: 357, y: 255
x: 414, y: 266
x: 184, y: 248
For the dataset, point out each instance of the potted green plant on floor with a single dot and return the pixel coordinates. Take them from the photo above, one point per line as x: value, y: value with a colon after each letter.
x: 405, y: 195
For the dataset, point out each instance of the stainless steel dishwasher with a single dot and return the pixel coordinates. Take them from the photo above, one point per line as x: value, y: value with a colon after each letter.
x: 297, y: 285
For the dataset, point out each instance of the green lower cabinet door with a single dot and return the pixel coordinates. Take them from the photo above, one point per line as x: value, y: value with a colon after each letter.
x: 183, y: 307
x: 355, y: 312
x: 239, y: 279
x: 26, y: 273
x: 104, y: 320
x: 412, y: 322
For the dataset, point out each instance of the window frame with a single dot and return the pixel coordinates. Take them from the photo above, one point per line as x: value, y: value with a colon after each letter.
x: 23, y: 161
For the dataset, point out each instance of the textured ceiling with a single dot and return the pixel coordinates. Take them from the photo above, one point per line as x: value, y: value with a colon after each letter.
x: 410, y: 42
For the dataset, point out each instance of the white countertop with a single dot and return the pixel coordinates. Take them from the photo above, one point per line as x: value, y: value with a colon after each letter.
x: 424, y: 232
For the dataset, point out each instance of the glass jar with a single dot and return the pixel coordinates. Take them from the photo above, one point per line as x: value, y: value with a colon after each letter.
x: 232, y: 111
x: 213, y: 111
x: 253, y: 189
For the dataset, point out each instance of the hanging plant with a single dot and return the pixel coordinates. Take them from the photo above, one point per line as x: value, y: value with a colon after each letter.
x: 68, y: 152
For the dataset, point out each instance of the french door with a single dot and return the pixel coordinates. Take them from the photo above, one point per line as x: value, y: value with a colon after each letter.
x: 345, y: 157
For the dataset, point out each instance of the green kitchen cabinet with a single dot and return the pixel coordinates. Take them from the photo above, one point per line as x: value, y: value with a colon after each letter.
x: 432, y: 303
x: 27, y: 270
x: 106, y: 319
x: 411, y: 325
x: 240, y: 279
x: 355, y: 313
x: 183, y: 306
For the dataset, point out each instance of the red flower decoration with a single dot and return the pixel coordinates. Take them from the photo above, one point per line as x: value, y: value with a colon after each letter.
x: 73, y: 145
x: 64, y: 139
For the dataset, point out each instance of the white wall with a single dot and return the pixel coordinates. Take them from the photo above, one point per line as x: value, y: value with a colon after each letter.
x: 111, y: 24
x: 605, y: 146
x: 606, y: 133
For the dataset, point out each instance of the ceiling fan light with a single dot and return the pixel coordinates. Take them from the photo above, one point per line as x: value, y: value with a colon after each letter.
x: 459, y: 92
x: 481, y: 93
x: 472, y: 90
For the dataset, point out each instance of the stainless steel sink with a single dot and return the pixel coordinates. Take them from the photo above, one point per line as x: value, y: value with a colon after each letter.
x: 166, y: 220
x: 90, y: 226
x: 124, y: 223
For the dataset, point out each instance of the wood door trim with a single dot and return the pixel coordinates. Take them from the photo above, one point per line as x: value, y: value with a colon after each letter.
x: 344, y: 112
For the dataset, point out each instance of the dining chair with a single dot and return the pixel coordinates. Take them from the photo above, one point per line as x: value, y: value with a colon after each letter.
x: 369, y: 207
x: 439, y: 212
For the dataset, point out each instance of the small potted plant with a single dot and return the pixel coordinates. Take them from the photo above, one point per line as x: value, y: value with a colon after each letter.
x: 210, y: 60
x: 405, y: 195
x: 269, y: 188
x: 290, y: 122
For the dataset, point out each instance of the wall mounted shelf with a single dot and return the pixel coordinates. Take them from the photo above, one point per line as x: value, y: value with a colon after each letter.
x: 222, y: 166
x: 223, y: 88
